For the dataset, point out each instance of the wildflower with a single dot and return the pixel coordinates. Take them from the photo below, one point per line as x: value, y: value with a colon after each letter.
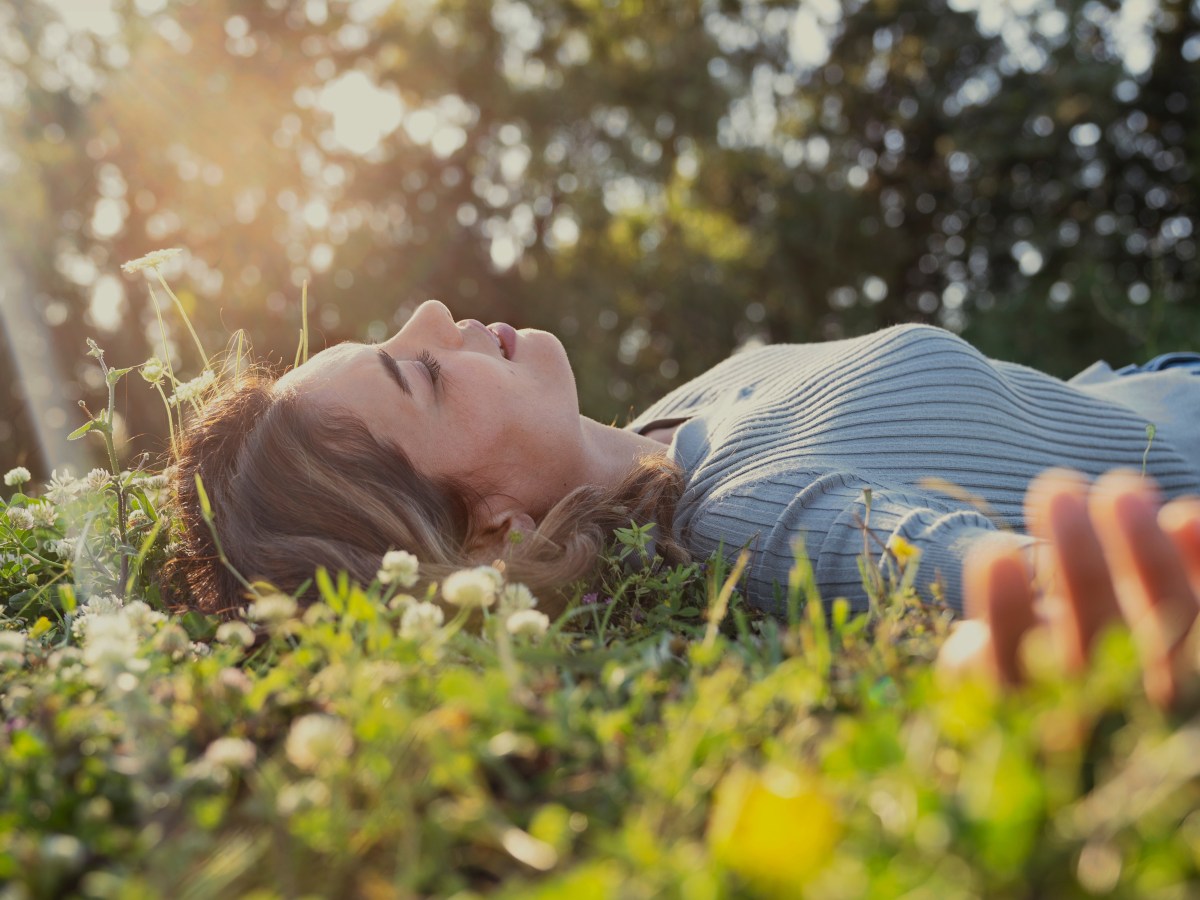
x: 65, y: 487
x: 402, y: 601
x: 20, y: 518
x: 12, y: 648
x: 151, y: 482
x: 471, y: 588
x: 190, y: 391
x: 902, y: 550
x: 17, y: 476
x: 144, y: 620
x: 44, y: 514
x: 235, y: 633
x: 64, y: 548
x: 138, y: 519
x: 516, y: 597
x: 98, y: 479
x: 775, y: 828
x: 272, y: 609
x: 153, y: 370
x: 316, y: 738
x: 62, y: 851
x: 103, y: 604
x: 303, y: 795
x: 99, y: 605
x: 421, y: 620
x: 111, y: 645
x: 231, y: 753
x: 399, y: 566
x: 151, y: 260
x: 528, y: 622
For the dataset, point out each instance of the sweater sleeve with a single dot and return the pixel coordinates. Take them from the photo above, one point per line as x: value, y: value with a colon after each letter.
x: 828, y: 511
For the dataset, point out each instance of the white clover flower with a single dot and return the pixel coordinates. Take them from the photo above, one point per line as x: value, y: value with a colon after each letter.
x: 402, y: 601
x: 138, y: 518
x: 63, y: 851
x: 20, y: 518
x: 398, y: 566
x: 516, y: 597
x: 470, y: 588
x: 153, y: 370
x: 528, y: 622
x: 421, y: 620
x: 17, y: 476
x: 231, y: 753
x: 45, y: 515
x: 110, y: 645
x: 235, y: 633
x: 12, y: 641
x: 103, y: 604
x: 315, y: 738
x: 191, y: 391
x: 272, y: 609
x: 63, y: 488
x: 151, y: 260
x: 64, y: 548
x: 151, y: 482
x: 302, y: 795
x: 12, y: 649
x: 98, y: 479
x: 143, y: 619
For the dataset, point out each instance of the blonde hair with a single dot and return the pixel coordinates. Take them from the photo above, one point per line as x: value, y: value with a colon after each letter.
x: 294, y: 487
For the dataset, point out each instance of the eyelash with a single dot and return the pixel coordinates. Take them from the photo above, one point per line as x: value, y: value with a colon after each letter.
x: 434, y: 367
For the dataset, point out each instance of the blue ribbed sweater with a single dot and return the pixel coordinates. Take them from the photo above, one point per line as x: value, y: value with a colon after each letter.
x: 780, y: 443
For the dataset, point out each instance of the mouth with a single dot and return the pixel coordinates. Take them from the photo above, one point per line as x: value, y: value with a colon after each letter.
x: 506, y: 337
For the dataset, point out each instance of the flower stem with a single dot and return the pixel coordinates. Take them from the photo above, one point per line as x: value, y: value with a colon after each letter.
x: 183, y: 312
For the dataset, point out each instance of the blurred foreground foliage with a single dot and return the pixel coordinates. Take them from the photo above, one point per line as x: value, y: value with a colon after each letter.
x: 660, y: 739
x: 657, y: 183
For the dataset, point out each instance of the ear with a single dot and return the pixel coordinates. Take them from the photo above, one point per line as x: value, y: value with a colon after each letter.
x: 502, y: 530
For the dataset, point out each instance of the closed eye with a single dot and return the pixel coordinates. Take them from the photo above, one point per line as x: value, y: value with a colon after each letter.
x: 434, y: 367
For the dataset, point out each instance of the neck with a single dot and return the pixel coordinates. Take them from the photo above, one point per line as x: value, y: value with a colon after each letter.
x: 610, y: 453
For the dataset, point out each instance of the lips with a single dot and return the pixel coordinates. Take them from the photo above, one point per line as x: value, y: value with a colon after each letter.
x: 507, y: 336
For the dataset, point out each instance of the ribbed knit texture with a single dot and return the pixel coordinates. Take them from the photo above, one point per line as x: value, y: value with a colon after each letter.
x: 783, y: 440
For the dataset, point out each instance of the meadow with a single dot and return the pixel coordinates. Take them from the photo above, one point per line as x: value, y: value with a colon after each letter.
x: 659, y: 739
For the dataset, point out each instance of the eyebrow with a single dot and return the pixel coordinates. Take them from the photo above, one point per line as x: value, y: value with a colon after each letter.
x: 392, y: 365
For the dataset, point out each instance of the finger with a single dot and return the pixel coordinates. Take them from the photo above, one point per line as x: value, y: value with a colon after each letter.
x: 1082, y: 599
x: 1180, y: 520
x: 998, y: 591
x: 1153, y: 588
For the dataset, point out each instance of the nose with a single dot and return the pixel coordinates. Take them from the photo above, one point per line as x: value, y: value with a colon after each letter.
x: 432, y: 322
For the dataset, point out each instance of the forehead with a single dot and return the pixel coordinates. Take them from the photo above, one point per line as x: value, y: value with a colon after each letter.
x: 328, y: 369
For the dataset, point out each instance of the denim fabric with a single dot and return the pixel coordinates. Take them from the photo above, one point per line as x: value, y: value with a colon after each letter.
x: 1188, y: 362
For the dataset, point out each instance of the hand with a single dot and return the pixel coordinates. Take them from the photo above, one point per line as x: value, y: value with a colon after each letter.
x: 1110, y: 552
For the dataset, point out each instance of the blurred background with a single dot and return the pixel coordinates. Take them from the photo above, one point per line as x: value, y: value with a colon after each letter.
x: 659, y: 182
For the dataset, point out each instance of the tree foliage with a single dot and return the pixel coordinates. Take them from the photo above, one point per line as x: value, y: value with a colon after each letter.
x: 657, y: 183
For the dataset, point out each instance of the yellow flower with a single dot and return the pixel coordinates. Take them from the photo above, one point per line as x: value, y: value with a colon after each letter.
x: 902, y: 550
x: 774, y: 828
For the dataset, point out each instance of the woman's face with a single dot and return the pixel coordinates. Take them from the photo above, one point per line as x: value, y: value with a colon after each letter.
x: 511, y: 425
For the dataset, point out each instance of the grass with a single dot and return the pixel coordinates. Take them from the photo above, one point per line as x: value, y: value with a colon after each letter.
x: 660, y: 739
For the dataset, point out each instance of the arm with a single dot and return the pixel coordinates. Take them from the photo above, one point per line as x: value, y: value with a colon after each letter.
x: 828, y: 511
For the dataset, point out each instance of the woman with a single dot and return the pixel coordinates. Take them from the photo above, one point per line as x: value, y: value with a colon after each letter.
x: 464, y: 444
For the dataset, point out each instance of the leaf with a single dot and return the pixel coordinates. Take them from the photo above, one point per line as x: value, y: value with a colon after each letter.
x: 115, y: 375
x: 200, y: 627
x: 81, y: 430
